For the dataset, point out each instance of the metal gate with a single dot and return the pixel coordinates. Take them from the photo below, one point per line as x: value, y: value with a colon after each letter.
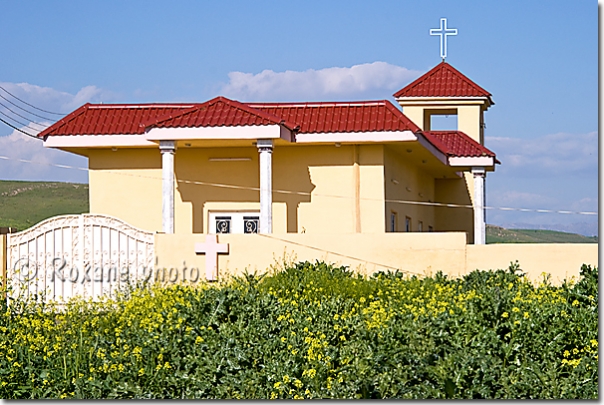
x: 85, y: 255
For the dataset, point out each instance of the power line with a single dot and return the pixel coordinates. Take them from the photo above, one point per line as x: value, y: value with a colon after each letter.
x: 305, y: 193
x: 19, y: 115
x: 27, y: 111
x: 33, y: 106
x: 17, y: 129
x: 14, y: 120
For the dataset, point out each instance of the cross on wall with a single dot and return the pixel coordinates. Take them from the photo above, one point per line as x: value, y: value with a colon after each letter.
x: 211, y: 248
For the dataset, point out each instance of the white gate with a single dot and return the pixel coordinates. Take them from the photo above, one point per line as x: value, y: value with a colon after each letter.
x: 84, y: 255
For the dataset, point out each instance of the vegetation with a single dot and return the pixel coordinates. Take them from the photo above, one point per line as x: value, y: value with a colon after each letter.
x: 496, y: 234
x: 313, y: 331
x: 25, y: 203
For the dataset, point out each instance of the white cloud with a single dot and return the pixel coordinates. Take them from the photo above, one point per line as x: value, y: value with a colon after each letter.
x: 552, y: 154
x: 359, y: 81
x: 50, y: 99
x: 16, y: 145
x: 19, y: 146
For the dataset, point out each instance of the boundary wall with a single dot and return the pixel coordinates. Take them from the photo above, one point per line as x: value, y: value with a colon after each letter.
x: 422, y: 254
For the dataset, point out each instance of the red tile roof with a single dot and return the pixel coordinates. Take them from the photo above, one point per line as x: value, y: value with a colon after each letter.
x: 443, y: 81
x: 363, y: 116
x: 457, y: 144
x: 218, y: 112
x: 110, y: 119
x: 113, y: 119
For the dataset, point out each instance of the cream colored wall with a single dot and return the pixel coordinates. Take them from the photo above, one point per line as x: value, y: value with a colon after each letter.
x: 561, y: 261
x: 421, y: 254
x: 404, y: 181
x: 469, y: 119
x: 372, y: 188
x: 415, y: 114
x: 324, y: 172
x: 318, y: 184
x: 126, y: 184
x: 417, y: 253
x: 453, y: 191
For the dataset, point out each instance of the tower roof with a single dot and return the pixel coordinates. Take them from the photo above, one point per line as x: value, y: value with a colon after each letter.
x: 443, y: 81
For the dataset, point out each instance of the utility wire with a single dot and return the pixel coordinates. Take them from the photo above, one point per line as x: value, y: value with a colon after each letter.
x: 33, y: 106
x: 309, y: 194
x: 19, y: 115
x: 27, y: 111
x: 17, y: 129
x: 14, y: 120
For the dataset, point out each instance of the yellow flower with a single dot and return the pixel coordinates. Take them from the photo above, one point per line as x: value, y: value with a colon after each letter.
x: 515, y: 309
x: 286, y: 379
x: 298, y: 383
x: 566, y: 353
x: 526, y: 315
x: 141, y: 371
x: 505, y: 315
x: 575, y: 303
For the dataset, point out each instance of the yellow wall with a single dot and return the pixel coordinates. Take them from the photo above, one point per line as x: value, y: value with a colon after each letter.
x: 318, y: 184
x: 372, y: 192
x: 127, y: 184
x: 420, y: 254
x: 404, y: 181
x: 469, y: 119
x: 453, y: 191
x: 557, y: 259
x: 416, y: 253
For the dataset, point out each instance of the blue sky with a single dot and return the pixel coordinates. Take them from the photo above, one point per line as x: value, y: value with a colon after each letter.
x: 538, y: 59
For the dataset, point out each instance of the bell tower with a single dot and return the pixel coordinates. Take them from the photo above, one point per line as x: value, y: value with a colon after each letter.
x: 446, y: 91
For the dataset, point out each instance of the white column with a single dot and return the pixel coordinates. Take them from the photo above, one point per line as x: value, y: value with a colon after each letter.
x: 167, y: 149
x: 479, y: 202
x: 265, y: 149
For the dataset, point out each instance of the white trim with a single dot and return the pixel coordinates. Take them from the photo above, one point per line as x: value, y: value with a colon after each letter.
x: 471, y: 161
x: 432, y: 149
x: 239, y: 132
x: 96, y: 141
x: 442, y: 99
x: 265, y: 149
x: 381, y: 136
x: 479, y: 175
x: 167, y: 149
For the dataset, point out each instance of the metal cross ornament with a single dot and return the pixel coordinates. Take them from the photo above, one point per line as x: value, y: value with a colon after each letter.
x: 443, y: 32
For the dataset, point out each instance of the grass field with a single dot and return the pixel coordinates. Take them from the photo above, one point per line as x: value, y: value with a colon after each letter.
x: 25, y: 203
x: 496, y: 234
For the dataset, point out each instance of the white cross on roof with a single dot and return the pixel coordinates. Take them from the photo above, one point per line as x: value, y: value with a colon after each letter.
x: 443, y: 31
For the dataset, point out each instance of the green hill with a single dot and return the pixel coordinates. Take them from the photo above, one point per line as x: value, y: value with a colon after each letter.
x: 25, y: 203
x: 496, y: 234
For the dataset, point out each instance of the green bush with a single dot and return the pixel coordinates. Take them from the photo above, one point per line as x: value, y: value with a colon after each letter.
x: 313, y: 331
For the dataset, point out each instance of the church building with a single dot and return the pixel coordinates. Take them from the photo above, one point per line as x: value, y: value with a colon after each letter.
x: 227, y: 166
